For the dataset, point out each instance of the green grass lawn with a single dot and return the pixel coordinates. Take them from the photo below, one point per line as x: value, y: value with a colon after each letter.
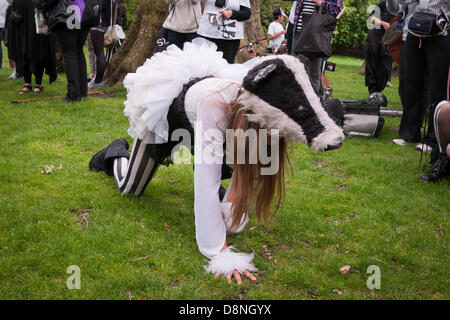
x: 360, y: 205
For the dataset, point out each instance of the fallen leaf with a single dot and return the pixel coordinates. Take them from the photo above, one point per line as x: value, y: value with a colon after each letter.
x: 142, y: 224
x: 345, y: 269
x: 337, y: 291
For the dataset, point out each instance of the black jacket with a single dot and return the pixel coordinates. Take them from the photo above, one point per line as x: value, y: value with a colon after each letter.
x: 56, y: 11
x: 108, y: 10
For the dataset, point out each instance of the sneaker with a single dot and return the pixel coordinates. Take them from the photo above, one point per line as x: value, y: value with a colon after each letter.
x: 388, y: 84
x: 399, y: 142
x: 13, y: 76
x: 92, y: 84
x: 423, y: 147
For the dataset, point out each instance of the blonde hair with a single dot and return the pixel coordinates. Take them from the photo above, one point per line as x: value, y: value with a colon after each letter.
x: 252, y: 190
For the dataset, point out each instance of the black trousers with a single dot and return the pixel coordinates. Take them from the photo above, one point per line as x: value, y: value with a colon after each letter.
x: 38, y: 73
x: 72, y: 42
x: 178, y: 38
x: 424, y: 58
x: 98, y: 42
x: 228, y: 47
x: 289, y: 37
x: 376, y: 58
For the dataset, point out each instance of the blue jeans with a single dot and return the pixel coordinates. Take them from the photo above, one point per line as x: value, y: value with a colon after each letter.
x: 1, y: 49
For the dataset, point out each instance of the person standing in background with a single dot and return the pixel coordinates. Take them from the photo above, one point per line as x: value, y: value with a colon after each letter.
x: 427, y: 58
x: 98, y: 41
x: 32, y: 53
x: 183, y: 21
x: 3, y: 6
x: 276, y: 30
x: 307, y: 7
x: 71, y: 42
x: 376, y: 55
x: 223, y: 23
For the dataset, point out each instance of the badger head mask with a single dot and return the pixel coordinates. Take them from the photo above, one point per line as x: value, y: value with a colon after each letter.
x: 279, y: 95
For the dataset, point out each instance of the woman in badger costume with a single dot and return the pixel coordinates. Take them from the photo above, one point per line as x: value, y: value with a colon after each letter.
x: 197, y: 88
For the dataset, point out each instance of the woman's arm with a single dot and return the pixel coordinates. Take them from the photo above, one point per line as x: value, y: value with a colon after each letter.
x: 243, y: 14
x: 210, y: 226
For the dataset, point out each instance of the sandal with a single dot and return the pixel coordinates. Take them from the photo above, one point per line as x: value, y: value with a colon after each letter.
x: 38, y: 88
x: 26, y: 88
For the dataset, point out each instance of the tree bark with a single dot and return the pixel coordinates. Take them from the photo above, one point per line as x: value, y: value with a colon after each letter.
x: 139, y: 43
x: 252, y: 31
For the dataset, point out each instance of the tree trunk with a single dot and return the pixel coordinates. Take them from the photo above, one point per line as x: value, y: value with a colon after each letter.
x: 252, y: 31
x: 140, y: 41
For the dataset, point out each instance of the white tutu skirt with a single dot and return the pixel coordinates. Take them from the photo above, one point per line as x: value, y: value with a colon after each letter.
x: 153, y: 87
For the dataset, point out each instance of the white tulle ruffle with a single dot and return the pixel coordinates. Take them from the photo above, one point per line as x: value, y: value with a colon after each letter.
x: 153, y: 87
x: 227, y: 261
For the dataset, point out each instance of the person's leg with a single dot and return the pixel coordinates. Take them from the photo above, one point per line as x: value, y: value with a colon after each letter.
x: 175, y: 38
x: 92, y: 57
x: 413, y: 110
x: 98, y: 40
x: 27, y: 74
x: 39, y: 73
x: 402, y: 74
x: 82, y: 70
x: 315, y: 73
x: 188, y: 37
x: 27, y: 79
x: 438, y: 64
x: 371, y: 61
x: 229, y: 49
x: 441, y: 167
x: 388, y: 61
x: 68, y: 42
x: 289, y: 35
x: 134, y: 174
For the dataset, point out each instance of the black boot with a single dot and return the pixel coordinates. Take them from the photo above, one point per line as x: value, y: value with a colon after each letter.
x: 439, y: 170
x: 104, y: 159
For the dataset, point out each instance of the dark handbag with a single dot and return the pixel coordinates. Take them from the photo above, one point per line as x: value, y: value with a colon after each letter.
x: 314, y: 40
x: 423, y: 24
x: 16, y: 16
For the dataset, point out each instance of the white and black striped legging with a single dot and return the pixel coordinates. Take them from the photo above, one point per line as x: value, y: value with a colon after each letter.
x: 134, y: 174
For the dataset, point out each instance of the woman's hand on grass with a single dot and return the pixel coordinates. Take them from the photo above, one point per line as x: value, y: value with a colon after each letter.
x: 236, y: 274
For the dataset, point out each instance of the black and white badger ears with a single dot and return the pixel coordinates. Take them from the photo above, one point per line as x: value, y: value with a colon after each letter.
x: 279, y: 95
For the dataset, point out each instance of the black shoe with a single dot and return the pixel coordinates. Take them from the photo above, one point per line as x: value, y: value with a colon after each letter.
x: 104, y: 159
x: 439, y: 170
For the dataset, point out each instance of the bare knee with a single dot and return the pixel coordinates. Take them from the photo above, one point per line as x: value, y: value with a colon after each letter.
x: 444, y: 115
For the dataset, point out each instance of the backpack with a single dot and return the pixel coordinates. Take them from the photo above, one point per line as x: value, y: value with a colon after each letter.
x: 92, y: 13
